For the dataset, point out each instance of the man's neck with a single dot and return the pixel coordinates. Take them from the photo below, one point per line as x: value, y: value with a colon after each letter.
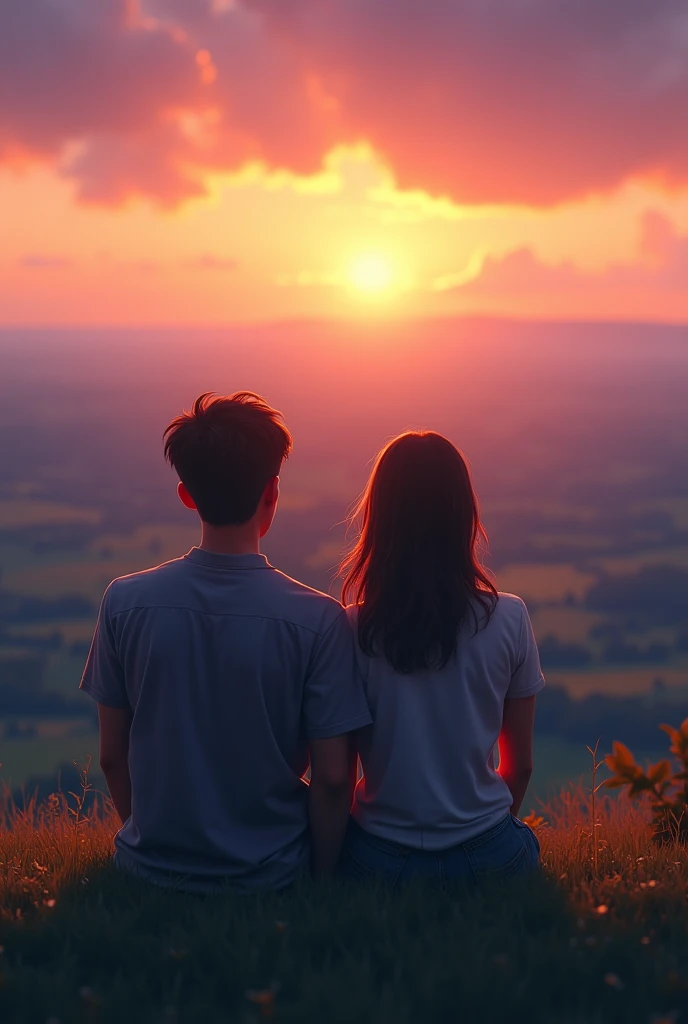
x: 231, y: 540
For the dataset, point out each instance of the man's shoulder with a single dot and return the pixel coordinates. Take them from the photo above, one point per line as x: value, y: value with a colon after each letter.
x: 302, y: 605
x: 143, y: 587
x: 277, y: 596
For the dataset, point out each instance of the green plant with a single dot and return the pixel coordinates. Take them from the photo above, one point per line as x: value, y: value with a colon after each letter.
x: 78, y: 811
x: 594, y: 823
x: 664, y: 784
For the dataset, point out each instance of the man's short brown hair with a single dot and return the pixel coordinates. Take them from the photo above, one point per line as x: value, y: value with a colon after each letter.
x: 225, y: 451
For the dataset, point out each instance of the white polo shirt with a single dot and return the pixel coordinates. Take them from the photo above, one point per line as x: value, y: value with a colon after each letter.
x: 429, y: 778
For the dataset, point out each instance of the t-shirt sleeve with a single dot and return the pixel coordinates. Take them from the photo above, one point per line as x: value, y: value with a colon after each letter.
x: 103, y: 677
x: 527, y: 677
x: 334, y: 700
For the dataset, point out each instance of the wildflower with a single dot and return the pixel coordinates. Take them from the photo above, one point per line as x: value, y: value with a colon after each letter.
x: 674, y: 982
x: 602, y: 909
x: 645, y: 941
x: 614, y: 981
x: 264, y: 999
x: 50, y: 903
x: 89, y: 996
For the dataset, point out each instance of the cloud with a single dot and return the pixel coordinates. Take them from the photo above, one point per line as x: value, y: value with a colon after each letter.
x: 73, y: 71
x: 663, y: 269
x: 522, y: 101
x: 210, y: 262
x: 44, y: 262
x: 483, y: 101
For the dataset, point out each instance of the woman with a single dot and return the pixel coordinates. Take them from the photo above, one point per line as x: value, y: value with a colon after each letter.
x: 451, y: 670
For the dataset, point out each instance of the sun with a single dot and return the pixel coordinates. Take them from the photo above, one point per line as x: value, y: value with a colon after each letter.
x: 371, y: 273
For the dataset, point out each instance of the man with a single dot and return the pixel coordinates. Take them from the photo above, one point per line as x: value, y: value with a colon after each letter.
x: 218, y: 679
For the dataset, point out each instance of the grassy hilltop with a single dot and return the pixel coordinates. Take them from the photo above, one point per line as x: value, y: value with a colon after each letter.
x: 584, y: 943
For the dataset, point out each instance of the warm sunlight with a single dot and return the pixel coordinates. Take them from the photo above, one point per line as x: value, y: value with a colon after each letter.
x: 371, y: 273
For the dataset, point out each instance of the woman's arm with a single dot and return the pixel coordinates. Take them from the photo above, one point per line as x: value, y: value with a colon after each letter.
x: 516, y: 747
x: 333, y: 777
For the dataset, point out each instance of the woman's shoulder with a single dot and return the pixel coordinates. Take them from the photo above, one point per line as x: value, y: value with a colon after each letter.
x: 508, y: 609
x: 510, y: 604
x: 352, y: 613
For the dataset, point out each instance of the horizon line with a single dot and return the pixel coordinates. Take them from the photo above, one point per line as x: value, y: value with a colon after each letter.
x: 358, y: 321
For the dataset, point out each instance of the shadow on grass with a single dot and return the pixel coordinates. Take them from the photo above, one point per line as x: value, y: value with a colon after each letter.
x: 118, y: 950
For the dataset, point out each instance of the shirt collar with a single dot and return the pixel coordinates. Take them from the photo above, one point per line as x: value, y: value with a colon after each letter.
x: 215, y: 560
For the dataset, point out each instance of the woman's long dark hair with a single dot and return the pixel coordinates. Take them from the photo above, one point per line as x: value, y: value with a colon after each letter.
x: 415, y: 571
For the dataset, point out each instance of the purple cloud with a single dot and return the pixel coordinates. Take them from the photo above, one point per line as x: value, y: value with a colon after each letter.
x: 519, y: 101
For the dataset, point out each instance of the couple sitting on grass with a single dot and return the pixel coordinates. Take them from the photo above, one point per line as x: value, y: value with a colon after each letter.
x: 220, y: 681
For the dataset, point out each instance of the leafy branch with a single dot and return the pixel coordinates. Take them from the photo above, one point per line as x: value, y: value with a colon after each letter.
x: 664, y: 784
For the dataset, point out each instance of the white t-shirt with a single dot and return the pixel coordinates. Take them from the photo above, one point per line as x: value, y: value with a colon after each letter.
x: 429, y: 778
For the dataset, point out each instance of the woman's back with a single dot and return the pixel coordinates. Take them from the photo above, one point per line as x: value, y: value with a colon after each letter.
x: 428, y: 759
x: 442, y: 655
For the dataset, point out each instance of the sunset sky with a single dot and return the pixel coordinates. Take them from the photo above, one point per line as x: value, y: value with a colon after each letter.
x: 190, y: 161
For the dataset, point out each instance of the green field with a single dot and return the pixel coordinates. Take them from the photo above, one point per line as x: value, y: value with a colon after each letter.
x: 32, y: 572
x: 22, y: 759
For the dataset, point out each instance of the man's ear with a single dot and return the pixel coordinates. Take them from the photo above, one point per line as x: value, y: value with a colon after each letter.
x: 185, y: 497
x: 271, y: 492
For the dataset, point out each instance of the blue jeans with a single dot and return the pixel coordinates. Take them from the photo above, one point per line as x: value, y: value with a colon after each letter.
x: 504, y: 851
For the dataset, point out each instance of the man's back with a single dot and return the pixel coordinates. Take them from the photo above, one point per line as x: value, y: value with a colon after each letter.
x: 229, y: 668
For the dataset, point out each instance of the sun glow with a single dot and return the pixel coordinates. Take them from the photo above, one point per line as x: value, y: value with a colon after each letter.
x: 371, y: 273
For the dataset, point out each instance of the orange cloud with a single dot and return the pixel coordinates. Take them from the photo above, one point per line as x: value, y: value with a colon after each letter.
x: 657, y: 282
x: 531, y: 103
x: 42, y: 261
x: 208, y: 261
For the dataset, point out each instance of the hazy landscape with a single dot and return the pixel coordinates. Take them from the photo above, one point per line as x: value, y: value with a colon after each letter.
x: 577, y: 435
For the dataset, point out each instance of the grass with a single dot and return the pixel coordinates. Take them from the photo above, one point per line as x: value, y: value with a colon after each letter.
x: 83, y: 944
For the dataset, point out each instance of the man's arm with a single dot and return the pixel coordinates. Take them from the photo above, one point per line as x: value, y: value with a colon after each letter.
x: 333, y: 779
x: 115, y: 724
x: 103, y: 680
x: 516, y: 747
